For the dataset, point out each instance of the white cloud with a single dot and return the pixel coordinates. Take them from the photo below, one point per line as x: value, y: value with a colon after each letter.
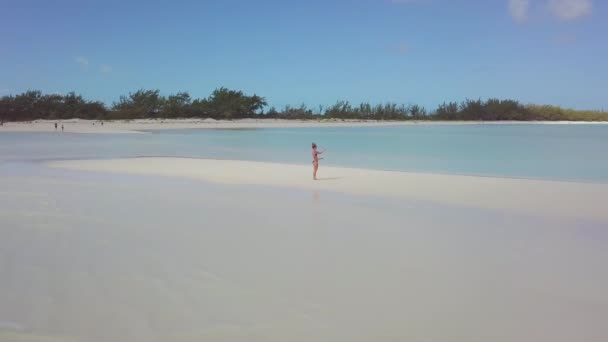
x: 105, y: 69
x: 570, y: 9
x: 519, y: 9
x: 82, y: 61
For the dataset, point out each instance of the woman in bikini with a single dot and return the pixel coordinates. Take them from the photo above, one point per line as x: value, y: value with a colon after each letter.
x: 315, y: 160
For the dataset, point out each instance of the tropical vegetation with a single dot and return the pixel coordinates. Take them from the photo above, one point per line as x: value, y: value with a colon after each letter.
x: 229, y: 104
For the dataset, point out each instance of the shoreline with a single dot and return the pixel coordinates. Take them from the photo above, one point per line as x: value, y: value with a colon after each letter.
x: 47, y: 161
x: 144, y: 125
x: 572, y: 200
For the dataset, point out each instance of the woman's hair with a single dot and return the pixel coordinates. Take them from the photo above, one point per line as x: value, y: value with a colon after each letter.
x: 314, y: 145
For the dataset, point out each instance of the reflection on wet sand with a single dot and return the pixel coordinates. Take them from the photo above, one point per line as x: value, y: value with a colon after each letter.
x: 157, y: 259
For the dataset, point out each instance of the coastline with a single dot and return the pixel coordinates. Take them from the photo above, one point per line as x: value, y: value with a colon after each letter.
x: 143, y: 125
x: 569, y: 200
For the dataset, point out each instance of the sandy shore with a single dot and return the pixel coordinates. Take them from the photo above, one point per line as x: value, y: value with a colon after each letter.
x: 535, y: 197
x: 193, y: 253
x: 134, y: 126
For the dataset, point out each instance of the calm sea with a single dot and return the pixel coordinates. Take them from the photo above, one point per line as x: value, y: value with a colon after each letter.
x: 560, y: 152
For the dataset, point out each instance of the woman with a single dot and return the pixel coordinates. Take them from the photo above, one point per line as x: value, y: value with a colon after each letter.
x: 315, y: 160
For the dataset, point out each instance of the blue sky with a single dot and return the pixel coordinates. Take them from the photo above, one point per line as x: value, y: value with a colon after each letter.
x: 313, y: 52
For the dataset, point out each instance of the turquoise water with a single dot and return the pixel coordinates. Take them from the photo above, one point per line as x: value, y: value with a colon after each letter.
x: 562, y: 152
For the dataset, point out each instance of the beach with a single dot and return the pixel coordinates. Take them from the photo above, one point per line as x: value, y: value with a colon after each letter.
x: 170, y: 249
x: 97, y: 247
x: 134, y: 126
x: 559, y: 199
x: 304, y: 171
x: 140, y: 125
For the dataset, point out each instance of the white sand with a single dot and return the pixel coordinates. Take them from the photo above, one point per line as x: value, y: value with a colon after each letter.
x: 535, y: 197
x: 122, y: 126
x: 97, y: 257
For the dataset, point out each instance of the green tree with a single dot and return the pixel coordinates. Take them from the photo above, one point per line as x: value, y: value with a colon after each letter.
x: 140, y: 104
x: 177, y: 105
x: 224, y: 103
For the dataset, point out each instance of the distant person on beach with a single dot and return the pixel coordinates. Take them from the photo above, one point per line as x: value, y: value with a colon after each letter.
x: 315, y: 160
x: 62, y: 127
x: 55, y: 126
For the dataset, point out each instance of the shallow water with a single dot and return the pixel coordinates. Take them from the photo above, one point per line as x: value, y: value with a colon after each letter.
x: 564, y: 152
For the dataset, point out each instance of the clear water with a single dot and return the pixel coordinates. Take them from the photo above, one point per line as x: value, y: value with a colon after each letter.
x: 562, y: 152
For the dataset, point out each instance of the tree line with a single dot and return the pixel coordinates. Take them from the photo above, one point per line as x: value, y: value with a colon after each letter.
x: 227, y: 104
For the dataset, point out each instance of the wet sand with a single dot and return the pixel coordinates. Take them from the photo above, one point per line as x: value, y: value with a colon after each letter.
x: 536, y: 197
x: 119, y: 255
